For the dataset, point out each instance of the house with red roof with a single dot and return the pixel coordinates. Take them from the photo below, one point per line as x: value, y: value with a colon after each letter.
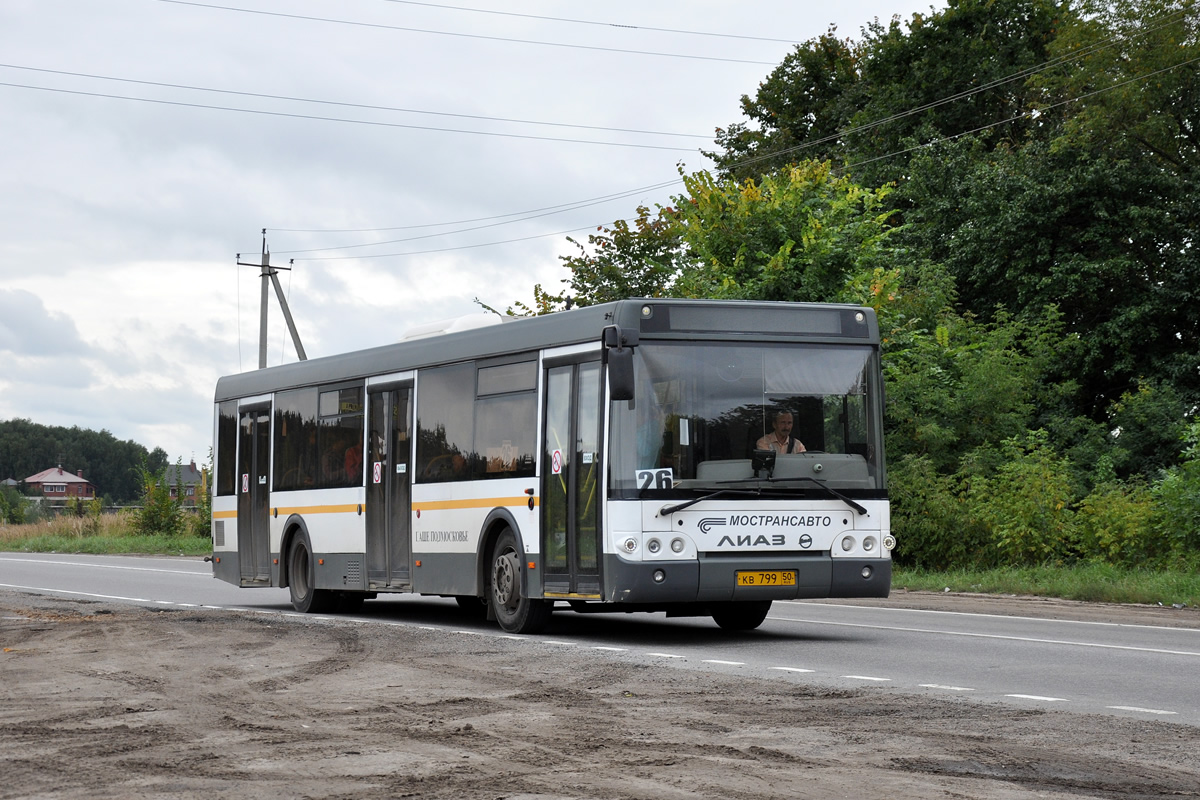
x: 55, y: 484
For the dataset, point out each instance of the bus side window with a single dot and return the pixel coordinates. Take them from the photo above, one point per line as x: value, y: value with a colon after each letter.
x: 445, y: 421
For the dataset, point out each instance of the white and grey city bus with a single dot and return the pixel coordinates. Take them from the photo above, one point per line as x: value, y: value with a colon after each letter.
x: 609, y: 458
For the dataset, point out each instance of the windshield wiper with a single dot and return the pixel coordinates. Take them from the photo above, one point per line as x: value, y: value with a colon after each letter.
x: 834, y: 492
x: 667, y: 510
x: 860, y: 509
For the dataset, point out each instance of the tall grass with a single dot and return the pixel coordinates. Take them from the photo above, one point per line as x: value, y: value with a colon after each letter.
x: 105, y: 534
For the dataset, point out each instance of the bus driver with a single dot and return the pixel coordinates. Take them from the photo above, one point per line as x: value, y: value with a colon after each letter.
x: 780, y: 439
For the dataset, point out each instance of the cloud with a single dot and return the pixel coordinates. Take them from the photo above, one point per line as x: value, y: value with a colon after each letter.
x: 27, y: 328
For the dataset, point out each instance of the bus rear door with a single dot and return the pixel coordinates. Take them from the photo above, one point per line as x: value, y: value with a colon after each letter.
x: 253, y: 519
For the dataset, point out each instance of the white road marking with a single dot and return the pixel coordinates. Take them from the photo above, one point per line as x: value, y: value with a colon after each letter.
x: 206, y: 573
x: 995, y: 636
x: 793, y: 669
x: 865, y: 678
x: 81, y: 594
x: 613, y: 649
x: 664, y: 655
x: 1039, y: 697
x: 1142, y: 710
x: 947, y: 688
x: 988, y: 616
x: 726, y: 663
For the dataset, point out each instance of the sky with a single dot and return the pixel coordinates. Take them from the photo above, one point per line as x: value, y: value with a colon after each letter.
x: 406, y: 159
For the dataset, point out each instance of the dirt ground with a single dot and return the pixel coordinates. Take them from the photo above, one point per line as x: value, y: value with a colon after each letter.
x: 103, y: 700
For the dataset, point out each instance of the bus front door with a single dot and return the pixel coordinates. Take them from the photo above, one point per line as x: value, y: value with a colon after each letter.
x: 253, y: 514
x: 571, y: 474
x: 389, y: 551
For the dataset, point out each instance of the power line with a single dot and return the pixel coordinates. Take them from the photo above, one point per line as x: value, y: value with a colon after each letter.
x: 262, y: 112
x: 346, y: 104
x: 465, y: 35
x: 448, y: 249
x: 626, y: 26
x: 523, y: 217
x: 1163, y: 21
x: 1029, y: 114
x: 1034, y: 114
x: 1156, y: 22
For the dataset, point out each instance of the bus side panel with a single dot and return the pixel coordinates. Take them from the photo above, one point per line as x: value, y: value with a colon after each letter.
x: 446, y: 573
x: 448, y: 523
x: 345, y: 572
x: 224, y: 539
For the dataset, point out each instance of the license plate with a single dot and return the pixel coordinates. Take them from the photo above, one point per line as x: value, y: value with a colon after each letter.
x: 787, y: 578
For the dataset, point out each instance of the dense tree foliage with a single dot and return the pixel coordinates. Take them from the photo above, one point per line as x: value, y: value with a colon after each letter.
x: 1012, y: 184
x: 111, y: 465
x: 866, y: 103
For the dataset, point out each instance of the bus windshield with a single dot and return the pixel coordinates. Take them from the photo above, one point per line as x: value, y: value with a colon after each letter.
x: 702, y: 409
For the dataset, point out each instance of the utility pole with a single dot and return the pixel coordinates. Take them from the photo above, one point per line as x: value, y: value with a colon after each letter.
x: 272, y: 274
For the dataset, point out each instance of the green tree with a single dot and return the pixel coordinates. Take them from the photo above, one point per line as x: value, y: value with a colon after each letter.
x: 642, y: 260
x: 1100, y: 239
x: 799, y: 234
x: 864, y: 104
x: 160, y: 513
x: 12, y: 506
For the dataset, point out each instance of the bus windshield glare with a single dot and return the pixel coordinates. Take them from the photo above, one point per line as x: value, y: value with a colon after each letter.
x: 702, y: 409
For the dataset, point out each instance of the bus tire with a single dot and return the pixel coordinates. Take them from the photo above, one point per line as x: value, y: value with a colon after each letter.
x: 741, y: 616
x: 515, y: 612
x: 306, y: 598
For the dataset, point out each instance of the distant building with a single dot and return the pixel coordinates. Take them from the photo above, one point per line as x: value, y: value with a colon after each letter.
x: 55, y: 484
x: 187, y: 477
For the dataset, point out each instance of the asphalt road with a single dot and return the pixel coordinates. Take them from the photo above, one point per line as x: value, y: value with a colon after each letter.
x: 1138, y: 671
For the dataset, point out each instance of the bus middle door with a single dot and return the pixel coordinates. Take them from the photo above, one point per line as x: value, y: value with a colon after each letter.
x: 389, y: 550
x: 571, y: 474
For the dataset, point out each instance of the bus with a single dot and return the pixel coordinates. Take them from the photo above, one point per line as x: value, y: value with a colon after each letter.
x: 609, y: 458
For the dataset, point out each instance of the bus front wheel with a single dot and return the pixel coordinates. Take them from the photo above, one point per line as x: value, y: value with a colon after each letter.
x: 514, y: 612
x: 306, y: 598
x: 743, y: 616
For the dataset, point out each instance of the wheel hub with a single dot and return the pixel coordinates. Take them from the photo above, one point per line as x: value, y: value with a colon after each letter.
x: 505, y: 579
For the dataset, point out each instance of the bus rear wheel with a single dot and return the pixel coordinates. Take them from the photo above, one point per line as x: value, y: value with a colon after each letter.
x: 743, y: 616
x: 515, y: 612
x: 306, y: 598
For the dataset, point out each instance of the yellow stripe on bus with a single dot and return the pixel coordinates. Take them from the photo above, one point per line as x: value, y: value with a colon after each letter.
x: 349, y: 509
x: 433, y: 505
x: 483, y: 502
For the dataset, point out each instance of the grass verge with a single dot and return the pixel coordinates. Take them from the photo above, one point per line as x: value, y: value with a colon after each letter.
x: 1097, y: 583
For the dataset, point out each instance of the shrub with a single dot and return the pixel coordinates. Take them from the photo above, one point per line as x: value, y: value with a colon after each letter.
x: 929, y: 519
x: 1026, y: 504
x: 1117, y: 525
